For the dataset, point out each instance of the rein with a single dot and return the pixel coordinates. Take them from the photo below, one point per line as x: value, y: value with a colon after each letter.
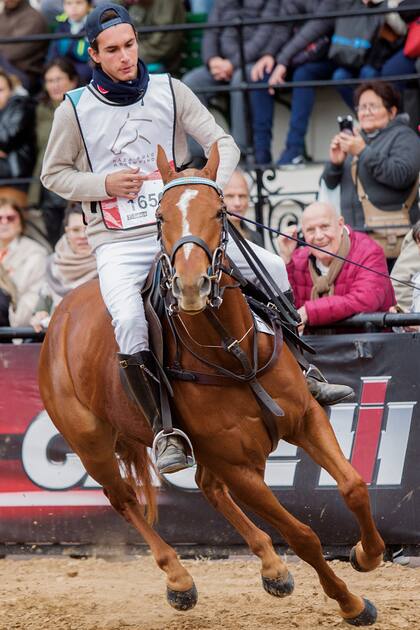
x: 299, y: 241
x: 230, y: 344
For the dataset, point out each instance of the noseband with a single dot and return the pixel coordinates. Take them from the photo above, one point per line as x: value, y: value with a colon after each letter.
x: 214, y: 271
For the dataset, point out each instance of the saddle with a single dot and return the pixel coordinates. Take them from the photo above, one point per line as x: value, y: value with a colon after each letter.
x: 266, y: 319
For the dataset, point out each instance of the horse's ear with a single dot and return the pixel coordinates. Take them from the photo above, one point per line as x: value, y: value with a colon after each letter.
x: 212, y: 163
x: 163, y: 164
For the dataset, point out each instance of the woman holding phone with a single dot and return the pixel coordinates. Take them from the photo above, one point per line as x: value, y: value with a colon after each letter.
x: 378, y: 164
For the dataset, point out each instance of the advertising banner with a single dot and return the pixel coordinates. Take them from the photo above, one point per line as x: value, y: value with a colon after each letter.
x: 46, y: 495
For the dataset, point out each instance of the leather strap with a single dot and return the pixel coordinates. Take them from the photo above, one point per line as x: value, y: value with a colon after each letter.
x: 374, y: 216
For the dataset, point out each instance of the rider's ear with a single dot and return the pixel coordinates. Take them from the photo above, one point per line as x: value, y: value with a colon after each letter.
x: 212, y: 165
x: 163, y: 165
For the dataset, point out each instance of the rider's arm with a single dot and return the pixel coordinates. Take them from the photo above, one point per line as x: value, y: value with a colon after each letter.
x: 65, y: 170
x: 196, y: 120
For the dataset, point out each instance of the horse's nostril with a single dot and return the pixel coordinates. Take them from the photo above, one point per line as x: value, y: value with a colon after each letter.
x: 204, y: 286
x: 176, y: 287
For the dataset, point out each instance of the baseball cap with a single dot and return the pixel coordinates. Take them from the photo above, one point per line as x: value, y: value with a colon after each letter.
x: 93, y: 26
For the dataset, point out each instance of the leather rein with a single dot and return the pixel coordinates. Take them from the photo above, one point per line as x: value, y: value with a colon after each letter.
x: 230, y: 344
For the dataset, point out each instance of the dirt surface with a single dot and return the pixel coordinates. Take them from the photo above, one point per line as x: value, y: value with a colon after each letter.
x: 96, y: 594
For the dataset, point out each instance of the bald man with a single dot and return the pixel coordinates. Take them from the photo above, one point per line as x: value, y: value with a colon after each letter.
x: 326, y: 289
x: 236, y: 196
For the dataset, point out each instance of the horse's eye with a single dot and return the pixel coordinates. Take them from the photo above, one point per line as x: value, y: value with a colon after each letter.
x: 159, y: 217
x: 220, y: 214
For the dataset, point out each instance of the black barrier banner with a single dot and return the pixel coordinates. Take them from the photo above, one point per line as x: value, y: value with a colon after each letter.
x: 47, y: 497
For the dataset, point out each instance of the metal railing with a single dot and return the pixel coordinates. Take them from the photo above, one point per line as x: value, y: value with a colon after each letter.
x: 368, y: 321
x: 263, y: 192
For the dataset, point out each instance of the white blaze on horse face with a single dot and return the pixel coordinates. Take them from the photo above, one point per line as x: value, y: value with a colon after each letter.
x: 183, y: 205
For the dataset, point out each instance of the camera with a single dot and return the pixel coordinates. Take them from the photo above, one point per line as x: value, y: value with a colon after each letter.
x: 345, y: 123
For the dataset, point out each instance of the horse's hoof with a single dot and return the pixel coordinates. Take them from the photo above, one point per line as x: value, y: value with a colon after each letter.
x: 279, y: 587
x: 354, y: 563
x: 367, y: 617
x: 182, y: 600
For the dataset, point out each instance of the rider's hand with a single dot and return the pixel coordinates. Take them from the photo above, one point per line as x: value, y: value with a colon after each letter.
x: 36, y: 320
x: 125, y: 183
x: 337, y: 155
x: 263, y: 66
x: 277, y: 76
x: 286, y: 245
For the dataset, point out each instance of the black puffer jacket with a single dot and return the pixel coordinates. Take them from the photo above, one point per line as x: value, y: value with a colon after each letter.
x: 259, y: 40
x: 388, y: 167
x: 17, y: 137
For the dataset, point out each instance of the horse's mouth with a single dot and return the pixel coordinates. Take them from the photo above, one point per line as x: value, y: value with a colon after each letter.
x: 192, y: 312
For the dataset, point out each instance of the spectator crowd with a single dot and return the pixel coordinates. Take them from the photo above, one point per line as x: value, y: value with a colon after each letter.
x: 368, y: 205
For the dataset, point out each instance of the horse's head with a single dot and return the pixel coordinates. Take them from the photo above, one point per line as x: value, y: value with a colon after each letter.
x: 192, y: 220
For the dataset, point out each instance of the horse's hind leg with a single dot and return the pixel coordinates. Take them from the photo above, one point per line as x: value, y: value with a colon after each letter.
x: 94, y: 442
x: 248, y: 486
x: 319, y: 441
x: 275, y: 575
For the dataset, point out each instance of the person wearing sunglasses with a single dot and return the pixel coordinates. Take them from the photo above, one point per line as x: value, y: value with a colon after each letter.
x: 22, y: 267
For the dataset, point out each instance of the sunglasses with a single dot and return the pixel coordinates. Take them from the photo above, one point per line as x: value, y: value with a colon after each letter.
x: 8, y: 218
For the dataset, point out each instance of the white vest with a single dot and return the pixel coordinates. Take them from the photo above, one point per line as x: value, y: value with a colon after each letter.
x: 118, y: 137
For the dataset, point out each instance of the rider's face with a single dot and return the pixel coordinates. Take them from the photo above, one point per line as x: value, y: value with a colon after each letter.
x: 117, y: 52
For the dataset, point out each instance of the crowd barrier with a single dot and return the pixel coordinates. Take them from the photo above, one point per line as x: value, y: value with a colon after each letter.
x: 46, y: 497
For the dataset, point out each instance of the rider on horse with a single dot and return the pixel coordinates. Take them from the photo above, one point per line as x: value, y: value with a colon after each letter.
x: 102, y: 151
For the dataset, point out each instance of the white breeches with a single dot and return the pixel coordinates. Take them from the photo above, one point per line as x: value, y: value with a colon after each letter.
x: 123, y: 268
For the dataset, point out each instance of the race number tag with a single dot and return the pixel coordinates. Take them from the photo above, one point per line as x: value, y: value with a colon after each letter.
x: 125, y: 214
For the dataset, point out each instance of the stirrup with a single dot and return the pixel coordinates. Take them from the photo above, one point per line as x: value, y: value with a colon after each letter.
x: 190, y: 458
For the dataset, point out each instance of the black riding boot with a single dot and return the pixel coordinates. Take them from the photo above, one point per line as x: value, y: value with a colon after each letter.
x: 325, y: 393
x: 137, y: 373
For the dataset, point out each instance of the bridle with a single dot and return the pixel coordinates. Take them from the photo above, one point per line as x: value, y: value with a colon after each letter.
x: 215, y: 269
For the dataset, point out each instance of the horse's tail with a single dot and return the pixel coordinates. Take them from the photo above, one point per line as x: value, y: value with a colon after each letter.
x: 138, y: 469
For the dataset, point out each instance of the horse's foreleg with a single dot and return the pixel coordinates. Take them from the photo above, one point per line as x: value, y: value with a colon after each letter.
x: 274, y: 572
x: 319, y: 441
x: 249, y: 487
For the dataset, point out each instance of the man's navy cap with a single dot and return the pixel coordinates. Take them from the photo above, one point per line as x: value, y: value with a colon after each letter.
x: 93, y: 24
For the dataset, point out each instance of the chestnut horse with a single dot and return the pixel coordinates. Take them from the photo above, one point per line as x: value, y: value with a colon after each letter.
x: 81, y: 389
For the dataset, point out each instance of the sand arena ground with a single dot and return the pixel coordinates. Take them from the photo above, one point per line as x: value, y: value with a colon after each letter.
x: 97, y: 594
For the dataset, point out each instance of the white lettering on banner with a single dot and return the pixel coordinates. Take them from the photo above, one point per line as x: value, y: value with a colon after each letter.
x: 341, y: 419
x: 41, y: 470
x: 69, y: 476
x: 394, y: 441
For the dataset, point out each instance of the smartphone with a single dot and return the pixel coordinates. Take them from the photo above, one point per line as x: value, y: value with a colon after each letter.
x: 345, y: 124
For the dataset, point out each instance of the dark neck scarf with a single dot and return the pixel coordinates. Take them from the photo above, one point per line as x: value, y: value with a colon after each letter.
x: 121, y: 92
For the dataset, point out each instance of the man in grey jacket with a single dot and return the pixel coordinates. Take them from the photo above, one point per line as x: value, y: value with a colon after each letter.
x: 221, y: 56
